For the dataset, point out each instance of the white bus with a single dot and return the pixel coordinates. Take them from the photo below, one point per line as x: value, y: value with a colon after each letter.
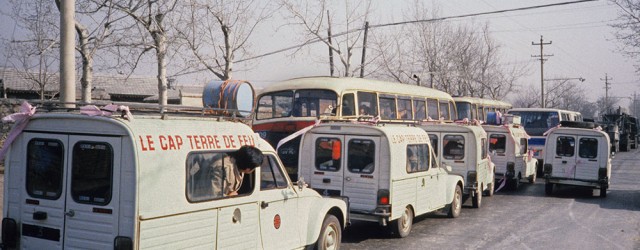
x: 537, y: 121
x: 286, y: 107
x: 477, y: 108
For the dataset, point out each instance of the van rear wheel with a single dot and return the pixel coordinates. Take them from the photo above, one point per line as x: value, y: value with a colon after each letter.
x: 603, y: 192
x: 548, y: 188
x: 331, y: 234
x: 477, y: 198
x: 402, y: 226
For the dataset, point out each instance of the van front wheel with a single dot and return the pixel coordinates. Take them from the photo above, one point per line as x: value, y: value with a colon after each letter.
x: 331, y: 234
x: 456, y: 205
x: 402, y: 226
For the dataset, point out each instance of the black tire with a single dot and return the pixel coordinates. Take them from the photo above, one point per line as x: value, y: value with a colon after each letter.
x: 533, y: 177
x: 402, y: 226
x: 548, y: 188
x: 330, y: 235
x: 514, y: 183
x: 476, y: 200
x: 455, y: 207
x: 603, y: 192
x: 491, y: 189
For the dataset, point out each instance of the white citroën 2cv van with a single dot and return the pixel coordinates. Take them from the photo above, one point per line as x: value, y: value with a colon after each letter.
x: 509, y: 152
x: 577, y: 154
x: 464, y: 149
x: 75, y: 181
x: 387, y: 171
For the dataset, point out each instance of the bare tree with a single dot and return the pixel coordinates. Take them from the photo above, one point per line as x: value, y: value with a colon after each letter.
x: 561, y: 94
x: 628, y: 28
x: 35, y: 54
x: 149, y: 18
x: 311, y: 16
x: 216, y: 32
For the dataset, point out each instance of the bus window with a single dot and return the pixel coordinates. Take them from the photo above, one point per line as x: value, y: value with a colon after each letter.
x: 421, y: 109
x: 481, y: 113
x: 464, y: 110
x: 474, y: 111
x: 405, y: 111
x: 348, y: 104
x: 368, y: 104
x: 452, y: 110
x: 387, y: 107
x: 432, y: 107
x: 444, y: 111
x: 275, y: 105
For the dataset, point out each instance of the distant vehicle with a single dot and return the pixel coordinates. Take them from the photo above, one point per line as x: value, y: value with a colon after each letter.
x: 577, y: 155
x: 478, y: 108
x: 508, y: 148
x: 75, y: 181
x: 286, y: 107
x: 464, y: 149
x: 622, y: 129
x: 388, y: 172
x: 536, y: 121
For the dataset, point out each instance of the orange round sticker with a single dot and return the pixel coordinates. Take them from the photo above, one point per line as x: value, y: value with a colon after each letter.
x: 276, y: 221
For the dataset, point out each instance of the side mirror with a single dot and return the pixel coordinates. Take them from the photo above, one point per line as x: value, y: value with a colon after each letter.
x: 301, y: 184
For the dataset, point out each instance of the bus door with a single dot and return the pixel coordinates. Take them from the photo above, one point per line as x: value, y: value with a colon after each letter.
x: 564, y: 157
x: 71, y: 191
x: 361, y: 171
x: 588, y: 161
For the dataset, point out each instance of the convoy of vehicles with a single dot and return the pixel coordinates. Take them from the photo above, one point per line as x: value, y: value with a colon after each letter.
x: 577, y: 154
x: 622, y: 129
x: 389, y: 172
x: 373, y: 151
x: 508, y: 148
x: 463, y: 148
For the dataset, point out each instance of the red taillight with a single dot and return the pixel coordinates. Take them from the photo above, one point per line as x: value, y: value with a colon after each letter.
x: 384, y: 200
x: 383, y: 197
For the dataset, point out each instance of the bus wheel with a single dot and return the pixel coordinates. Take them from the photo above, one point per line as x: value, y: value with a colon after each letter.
x: 476, y: 201
x: 456, y: 205
x: 331, y: 234
x: 548, y: 188
x: 402, y: 226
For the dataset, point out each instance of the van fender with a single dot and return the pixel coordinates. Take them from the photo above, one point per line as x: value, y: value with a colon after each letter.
x: 452, y: 181
x: 317, y: 211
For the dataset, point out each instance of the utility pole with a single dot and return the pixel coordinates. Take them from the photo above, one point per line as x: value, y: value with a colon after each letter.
x: 330, y: 49
x: 67, y: 53
x: 606, y: 89
x: 364, y: 48
x: 542, y: 59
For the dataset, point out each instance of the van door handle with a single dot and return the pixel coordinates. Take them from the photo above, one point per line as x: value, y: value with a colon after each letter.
x: 423, y: 181
x: 564, y: 162
x: 70, y: 213
x: 264, y: 205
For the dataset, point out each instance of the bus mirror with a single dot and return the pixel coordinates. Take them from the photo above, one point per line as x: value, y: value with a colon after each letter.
x: 336, y: 150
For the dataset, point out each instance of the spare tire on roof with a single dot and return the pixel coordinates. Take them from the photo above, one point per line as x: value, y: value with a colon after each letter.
x: 577, y: 124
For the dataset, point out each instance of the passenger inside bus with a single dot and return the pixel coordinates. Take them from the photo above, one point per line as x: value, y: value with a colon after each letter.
x: 364, y: 110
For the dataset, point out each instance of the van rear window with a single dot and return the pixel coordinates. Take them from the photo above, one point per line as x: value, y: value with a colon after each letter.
x: 497, y: 143
x: 453, y: 148
x: 92, y: 173
x: 588, y: 148
x: 328, y: 154
x: 361, y: 156
x: 565, y: 146
x: 44, y: 168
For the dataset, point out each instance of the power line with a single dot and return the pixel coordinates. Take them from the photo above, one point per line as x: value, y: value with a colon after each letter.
x: 315, y: 40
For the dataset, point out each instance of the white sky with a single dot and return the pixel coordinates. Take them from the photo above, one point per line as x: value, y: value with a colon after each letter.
x: 583, y: 44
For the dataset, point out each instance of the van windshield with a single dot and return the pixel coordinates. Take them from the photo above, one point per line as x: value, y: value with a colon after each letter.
x: 537, y: 122
x: 301, y: 103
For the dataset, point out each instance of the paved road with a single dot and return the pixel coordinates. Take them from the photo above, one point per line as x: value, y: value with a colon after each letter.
x: 572, y: 218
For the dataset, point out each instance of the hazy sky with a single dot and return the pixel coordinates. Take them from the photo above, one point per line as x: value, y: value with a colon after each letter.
x: 583, y: 44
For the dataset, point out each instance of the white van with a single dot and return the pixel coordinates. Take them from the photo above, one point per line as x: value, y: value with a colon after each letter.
x: 509, y: 152
x: 464, y: 149
x: 578, y: 155
x: 74, y: 181
x: 387, y: 171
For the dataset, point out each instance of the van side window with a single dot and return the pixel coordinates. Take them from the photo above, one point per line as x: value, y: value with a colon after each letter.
x: 497, y: 143
x: 524, y: 145
x: 91, y: 172
x: 44, y: 168
x: 361, y: 156
x: 434, y: 143
x: 588, y: 148
x: 453, y: 148
x: 418, y: 158
x: 328, y: 154
x: 271, y: 175
x: 484, y: 151
x: 565, y: 146
x: 207, y: 173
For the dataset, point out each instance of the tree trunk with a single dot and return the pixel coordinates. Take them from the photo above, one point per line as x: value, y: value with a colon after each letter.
x: 161, y: 52
x: 87, y: 63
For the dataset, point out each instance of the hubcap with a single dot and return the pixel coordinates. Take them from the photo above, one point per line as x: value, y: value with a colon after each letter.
x: 330, y: 237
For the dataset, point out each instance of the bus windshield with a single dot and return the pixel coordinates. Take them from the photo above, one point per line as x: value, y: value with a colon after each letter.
x: 537, y: 122
x: 464, y: 110
x: 302, y: 103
